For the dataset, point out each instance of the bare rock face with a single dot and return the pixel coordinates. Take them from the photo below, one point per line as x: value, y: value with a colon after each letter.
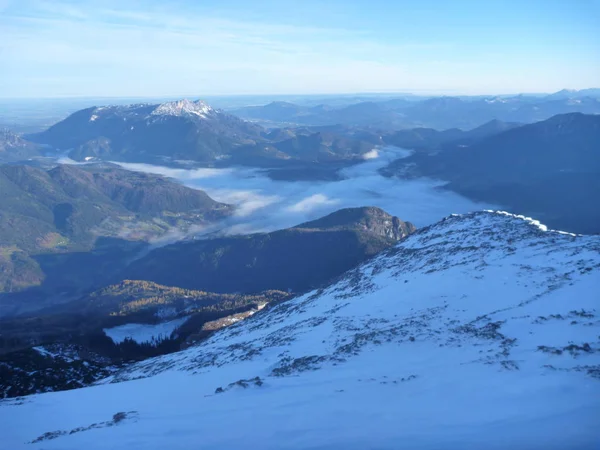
x: 370, y: 219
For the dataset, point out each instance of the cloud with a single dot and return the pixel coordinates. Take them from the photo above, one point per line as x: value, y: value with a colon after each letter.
x: 371, y: 154
x: 312, y: 203
x: 247, y: 202
x: 266, y: 205
x: 180, y: 174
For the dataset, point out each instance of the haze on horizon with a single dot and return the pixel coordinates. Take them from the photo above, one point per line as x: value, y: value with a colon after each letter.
x: 113, y: 48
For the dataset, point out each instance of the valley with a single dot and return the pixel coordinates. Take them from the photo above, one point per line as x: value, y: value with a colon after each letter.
x: 299, y: 225
x: 311, y: 257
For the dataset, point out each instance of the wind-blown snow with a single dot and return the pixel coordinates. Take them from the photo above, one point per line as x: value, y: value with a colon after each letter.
x: 142, y: 332
x: 480, y: 331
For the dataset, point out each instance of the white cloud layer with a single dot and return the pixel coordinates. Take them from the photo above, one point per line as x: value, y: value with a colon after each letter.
x: 266, y: 205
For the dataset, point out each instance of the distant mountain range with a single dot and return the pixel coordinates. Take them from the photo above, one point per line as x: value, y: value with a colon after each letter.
x: 194, y: 131
x: 438, y: 112
x: 549, y: 170
x: 294, y: 259
x: 430, y: 139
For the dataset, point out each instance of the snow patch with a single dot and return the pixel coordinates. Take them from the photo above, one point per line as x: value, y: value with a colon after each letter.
x: 143, y: 333
x: 182, y: 108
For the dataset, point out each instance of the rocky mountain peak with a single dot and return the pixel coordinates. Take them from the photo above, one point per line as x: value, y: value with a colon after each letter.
x: 368, y: 218
x: 183, y: 107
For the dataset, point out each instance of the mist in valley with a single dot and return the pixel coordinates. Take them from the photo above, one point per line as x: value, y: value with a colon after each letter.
x: 263, y: 204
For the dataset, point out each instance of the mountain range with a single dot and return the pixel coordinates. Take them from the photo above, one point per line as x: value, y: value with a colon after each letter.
x: 437, y: 112
x: 480, y: 330
x: 186, y: 130
x: 549, y: 170
x: 431, y: 139
x: 190, y: 131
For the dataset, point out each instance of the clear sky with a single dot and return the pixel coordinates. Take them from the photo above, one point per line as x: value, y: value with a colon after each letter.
x: 203, y: 47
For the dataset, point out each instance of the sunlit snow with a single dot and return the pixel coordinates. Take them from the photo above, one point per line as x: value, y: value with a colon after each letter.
x: 478, y: 332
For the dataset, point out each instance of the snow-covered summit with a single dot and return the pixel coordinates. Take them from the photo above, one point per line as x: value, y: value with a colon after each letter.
x: 479, y: 331
x: 182, y: 108
x: 496, y: 100
x: 178, y: 108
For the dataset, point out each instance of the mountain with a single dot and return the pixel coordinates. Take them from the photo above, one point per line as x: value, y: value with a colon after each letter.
x: 439, y: 113
x: 305, y: 146
x: 277, y: 111
x: 430, y: 139
x: 490, y: 128
x: 547, y: 108
x: 574, y: 94
x: 295, y: 259
x: 15, y: 148
x: 549, y: 170
x: 180, y: 130
x: 74, y: 225
x: 480, y: 331
x: 453, y: 112
x: 194, y: 131
x: 363, y: 113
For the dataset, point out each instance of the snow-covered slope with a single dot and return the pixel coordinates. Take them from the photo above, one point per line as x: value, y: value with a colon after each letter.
x: 480, y: 331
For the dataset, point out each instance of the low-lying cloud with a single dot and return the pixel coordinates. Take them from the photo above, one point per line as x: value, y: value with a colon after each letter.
x: 311, y: 203
x: 264, y: 204
x: 371, y: 154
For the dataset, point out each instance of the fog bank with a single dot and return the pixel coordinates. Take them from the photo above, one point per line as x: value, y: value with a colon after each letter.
x: 265, y: 205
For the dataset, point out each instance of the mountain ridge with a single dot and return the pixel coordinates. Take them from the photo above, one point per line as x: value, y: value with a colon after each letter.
x: 549, y: 170
x: 70, y: 225
x: 295, y: 259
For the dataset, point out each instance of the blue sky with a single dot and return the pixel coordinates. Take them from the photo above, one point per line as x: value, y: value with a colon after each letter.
x: 215, y: 47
